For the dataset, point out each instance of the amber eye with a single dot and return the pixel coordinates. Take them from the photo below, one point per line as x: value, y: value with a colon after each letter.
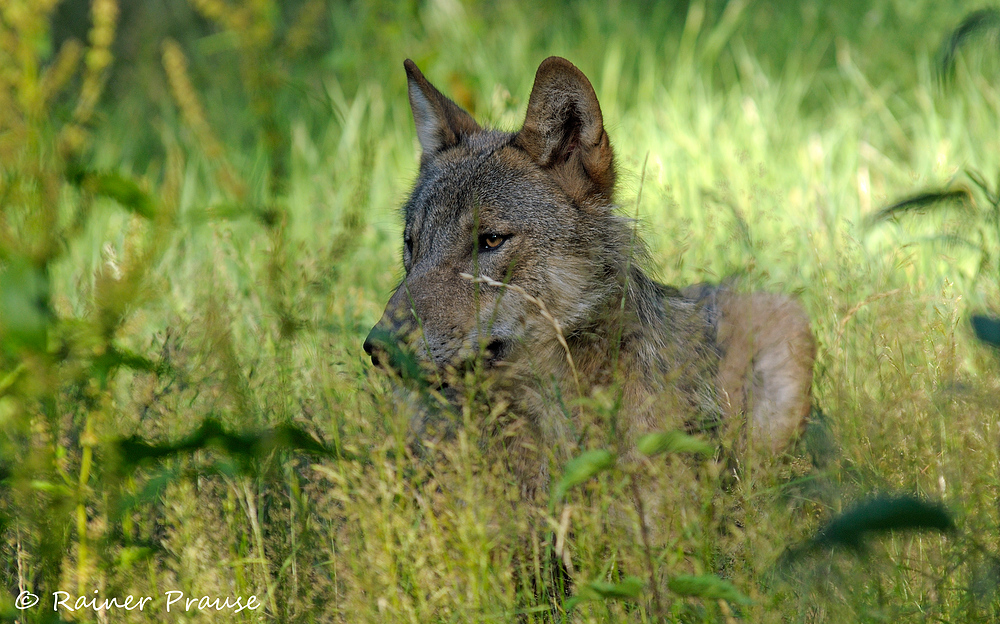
x: 491, y: 241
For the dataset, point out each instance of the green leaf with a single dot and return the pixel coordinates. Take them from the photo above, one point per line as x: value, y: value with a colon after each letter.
x: 707, y: 586
x: 882, y: 514
x: 24, y: 305
x: 630, y: 588
x: 114, y: 357
x: 51, y: 488
x: 268, y: 216
x: 118, y: 187
x: 133, y: 554
x: 922, y: 202
x: 245, y: 448
x: 673, y: 442
x: 987, y: 329
x: 978, y: 23
x: 582, y: 468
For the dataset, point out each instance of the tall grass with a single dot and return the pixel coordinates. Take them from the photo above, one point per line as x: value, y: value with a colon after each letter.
x: 185, y: 405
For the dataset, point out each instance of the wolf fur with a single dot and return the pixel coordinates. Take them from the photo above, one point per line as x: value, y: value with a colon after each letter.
x: 514, y: 254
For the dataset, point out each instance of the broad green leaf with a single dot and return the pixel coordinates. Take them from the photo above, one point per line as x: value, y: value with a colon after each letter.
x: 133, y: 554
x: 629, y: 588
x: 24, y: 305
x: 979, y: 23
x: 51, y: 488
x: 673, y: 442
x: 987, y: 329
x: 118, y: 187
x: 921, y: 202
x: 582, y: 468
x: 707, y: 586
x: 114, y: 357
x: 882, y: 514
x: 232, y: 211
x: 244, y: 448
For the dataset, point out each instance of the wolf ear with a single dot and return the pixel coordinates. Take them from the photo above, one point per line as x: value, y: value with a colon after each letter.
x: 440, y: 122
x: 564, y: 131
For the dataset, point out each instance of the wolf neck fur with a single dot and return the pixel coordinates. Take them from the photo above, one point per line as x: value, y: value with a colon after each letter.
x: 605, y: 345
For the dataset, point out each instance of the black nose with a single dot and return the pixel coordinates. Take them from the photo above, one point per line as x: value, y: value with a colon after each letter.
x: 383, y: 346
x: 388, y: 350
x: 372, y: 345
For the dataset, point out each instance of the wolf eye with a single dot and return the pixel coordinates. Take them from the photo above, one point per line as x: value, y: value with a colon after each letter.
x: 492, y: 240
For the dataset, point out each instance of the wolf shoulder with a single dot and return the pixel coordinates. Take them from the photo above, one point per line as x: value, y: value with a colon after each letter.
x: 766, y: 353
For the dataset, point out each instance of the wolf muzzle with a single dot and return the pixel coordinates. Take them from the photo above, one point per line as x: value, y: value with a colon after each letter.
x: 381, y: 345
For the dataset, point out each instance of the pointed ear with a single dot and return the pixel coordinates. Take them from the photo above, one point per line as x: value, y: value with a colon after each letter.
x: 564, y: 131
x: 440, y: 122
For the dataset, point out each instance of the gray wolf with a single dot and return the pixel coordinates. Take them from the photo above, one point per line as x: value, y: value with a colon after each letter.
x: 518, y: 262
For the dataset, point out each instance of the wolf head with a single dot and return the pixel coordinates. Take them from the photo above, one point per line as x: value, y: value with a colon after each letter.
x: 531, y: 210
